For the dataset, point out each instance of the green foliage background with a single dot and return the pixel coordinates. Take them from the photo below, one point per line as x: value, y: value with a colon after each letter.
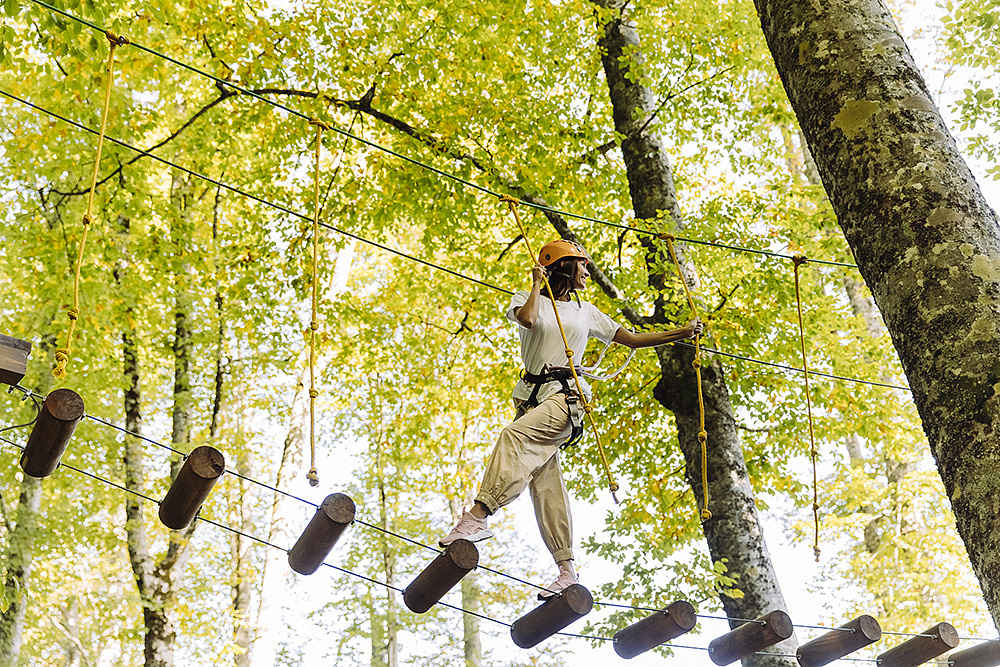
x: 420, y: 362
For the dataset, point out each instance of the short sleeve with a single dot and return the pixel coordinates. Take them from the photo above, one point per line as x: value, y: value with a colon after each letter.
x: 602, y: 327
x: 518, y: 299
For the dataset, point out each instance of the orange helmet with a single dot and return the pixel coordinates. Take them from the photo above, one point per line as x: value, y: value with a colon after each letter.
x: 553, y: 251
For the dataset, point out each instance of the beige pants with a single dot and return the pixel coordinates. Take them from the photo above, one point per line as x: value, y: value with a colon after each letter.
x: 527, y: 454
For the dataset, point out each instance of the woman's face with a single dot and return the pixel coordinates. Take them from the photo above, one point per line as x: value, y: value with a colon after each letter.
x: 580, y: 274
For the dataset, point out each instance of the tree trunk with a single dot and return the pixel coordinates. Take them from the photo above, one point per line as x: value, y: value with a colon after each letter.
x: 733, y: 533
x: 21, y: 540
x: 471, y: 640
x: 20, y: 551
x: 158, y: 580
x: 924, y: 238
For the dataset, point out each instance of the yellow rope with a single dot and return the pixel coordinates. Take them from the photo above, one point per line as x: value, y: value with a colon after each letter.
x: 313, y: 476
x: 587, y: 408
x: 62, y: 354
x: 798, y: 261
x: 706, y: 514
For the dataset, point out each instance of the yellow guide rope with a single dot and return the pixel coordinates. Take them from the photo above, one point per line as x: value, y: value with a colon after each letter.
x: 587, y: 408
x: 62, y: 354
x: 798, y: 261
x: 706, y: 514
x: 313, y: 476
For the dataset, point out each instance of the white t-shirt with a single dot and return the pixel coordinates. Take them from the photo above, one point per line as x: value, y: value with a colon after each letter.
x: 542, y: 346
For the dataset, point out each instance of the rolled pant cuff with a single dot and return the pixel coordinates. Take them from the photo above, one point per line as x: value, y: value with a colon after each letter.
x: 492, y: 506
x: 562, y: 554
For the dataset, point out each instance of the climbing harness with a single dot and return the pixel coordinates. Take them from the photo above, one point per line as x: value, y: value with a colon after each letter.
x: 587, y: 408
x: 798, y: 261
x: 562, y: 375
x: 706, y: 514
x: 62, y: 354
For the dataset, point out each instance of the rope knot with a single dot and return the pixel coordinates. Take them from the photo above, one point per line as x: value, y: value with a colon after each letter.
x: 313, y: 477
x: 87, y: 219
x: 62, y: 358
x: 702, y: 436
x: 318, y: 123
x: 314, y: 325
x: 667, y: 237
x: 569, y: 353
x: 696, y: 363
x: 799, y: 260
x: 705, y: 514
x: 73, y: 314
x: 313, y: 393
x: 116, y: 39
x: 588, y: 408
x: 816, y: 553
x: 509, y: 200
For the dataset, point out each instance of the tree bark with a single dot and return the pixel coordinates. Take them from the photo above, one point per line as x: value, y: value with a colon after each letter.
x: 19, y: 556
x: 158, y: 580
x: 733, y: 533
x: 21, y: 539
x: 924, y: 238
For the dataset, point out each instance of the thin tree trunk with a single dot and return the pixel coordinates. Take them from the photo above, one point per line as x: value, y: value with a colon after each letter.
x: 71, y: 626
x: 471, y: 640
x: 733, y: 533
x: 925, y: 240
x: 20, y: 549
x: 20, y: 552
x: 158, y: 580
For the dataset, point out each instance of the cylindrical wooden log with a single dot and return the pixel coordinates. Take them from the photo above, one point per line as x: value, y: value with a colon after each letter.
x: 61, y: 411
x: 13, y: 359
x: 751, y: 637
x: 553, y: 615
x: 196, y: 478
x: 864, y: 630
x: 458, y: 559
x: 323, y: 531
x: 655, y: 629
x: 986, y: 654
x: 939, y: 639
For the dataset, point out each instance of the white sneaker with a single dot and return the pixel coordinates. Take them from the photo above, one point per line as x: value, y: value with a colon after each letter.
x: 468, y: 528
x: 562, y: 582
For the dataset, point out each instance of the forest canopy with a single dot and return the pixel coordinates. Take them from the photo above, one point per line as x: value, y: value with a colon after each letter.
x: 196, y: 311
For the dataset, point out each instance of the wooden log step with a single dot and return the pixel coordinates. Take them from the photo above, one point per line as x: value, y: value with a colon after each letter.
x: 190, y: 488
x: 61, y: 411
x: 458, y: 559
x: 328, y: 523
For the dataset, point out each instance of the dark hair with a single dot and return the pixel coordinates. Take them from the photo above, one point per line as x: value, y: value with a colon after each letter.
x: 560, y: 275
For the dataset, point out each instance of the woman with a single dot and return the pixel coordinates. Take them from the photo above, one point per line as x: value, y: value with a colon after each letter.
x: 527, y: 451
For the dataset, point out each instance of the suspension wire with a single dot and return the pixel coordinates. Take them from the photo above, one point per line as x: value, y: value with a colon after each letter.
x: 417, y: 543
x: 246, y: 91
x: 260, y: 200
x: 793, y: 369
x: 404, y: 255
